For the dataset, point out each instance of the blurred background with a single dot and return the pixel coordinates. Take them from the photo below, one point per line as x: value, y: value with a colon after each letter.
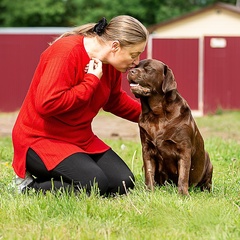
x: 198, y: 39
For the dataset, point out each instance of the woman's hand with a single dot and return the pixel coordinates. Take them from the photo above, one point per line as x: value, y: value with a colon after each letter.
x: 94, y: 67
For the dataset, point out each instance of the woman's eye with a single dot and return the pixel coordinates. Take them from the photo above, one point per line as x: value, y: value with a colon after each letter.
x: 134, y: 56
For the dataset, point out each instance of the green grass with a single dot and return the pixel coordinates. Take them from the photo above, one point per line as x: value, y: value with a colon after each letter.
x: 161, y: 214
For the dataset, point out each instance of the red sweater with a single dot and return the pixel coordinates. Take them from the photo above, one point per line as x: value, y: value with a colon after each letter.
x: 56, y: 115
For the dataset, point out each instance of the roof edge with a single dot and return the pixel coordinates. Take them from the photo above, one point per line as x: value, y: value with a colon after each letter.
x: 34, y: 30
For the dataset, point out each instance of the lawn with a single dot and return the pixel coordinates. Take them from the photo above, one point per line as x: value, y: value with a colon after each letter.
x: 141, y: 214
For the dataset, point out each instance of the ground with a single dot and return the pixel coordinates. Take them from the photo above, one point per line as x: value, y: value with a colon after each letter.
x: 108, y: 126
x: 105, y: 126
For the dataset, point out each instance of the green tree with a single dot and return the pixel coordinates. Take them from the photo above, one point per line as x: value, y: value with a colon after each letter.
x: 27, y: 13
x: 91, y: 11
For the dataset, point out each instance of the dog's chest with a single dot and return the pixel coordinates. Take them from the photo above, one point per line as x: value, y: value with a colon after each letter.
x: 159, y: 136
x: 153, y: 127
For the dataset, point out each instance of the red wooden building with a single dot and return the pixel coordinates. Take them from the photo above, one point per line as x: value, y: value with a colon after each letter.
x: 205, y: 65
x: 203, y: 50
x: 20, y: 49
x: 206, y: 69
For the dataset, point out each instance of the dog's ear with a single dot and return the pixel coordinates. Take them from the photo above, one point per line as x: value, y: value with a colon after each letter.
x: 169, y: 82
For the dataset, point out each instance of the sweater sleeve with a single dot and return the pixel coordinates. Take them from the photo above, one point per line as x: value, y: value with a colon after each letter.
x: 121, y: 104
x: 62, y: 88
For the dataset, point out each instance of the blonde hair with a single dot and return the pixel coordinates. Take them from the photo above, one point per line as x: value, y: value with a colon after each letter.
x: 126, y: 29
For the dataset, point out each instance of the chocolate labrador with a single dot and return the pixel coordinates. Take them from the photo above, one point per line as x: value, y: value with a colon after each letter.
x: 172, y: 146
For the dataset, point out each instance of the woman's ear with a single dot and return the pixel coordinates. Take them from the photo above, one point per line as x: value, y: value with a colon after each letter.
x: 115, y: 45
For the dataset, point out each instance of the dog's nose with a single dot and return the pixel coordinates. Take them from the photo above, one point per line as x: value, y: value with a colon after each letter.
x: 133, y: 71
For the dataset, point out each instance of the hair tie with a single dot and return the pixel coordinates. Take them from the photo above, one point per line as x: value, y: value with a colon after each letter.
x: 100, y: 26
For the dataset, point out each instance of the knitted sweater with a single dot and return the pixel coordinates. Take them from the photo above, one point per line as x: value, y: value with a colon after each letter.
x: 62, y: 100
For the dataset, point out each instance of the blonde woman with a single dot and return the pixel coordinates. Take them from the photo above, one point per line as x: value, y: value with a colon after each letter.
x: 77, y: 75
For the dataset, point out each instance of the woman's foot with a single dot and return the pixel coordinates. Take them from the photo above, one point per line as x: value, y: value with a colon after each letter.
x: 22, y: 184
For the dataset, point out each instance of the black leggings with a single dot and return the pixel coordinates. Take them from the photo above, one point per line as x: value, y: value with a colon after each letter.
x: 107, y: 171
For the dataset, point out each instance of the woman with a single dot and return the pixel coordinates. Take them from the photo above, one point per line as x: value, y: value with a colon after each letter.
x: 77, y: 75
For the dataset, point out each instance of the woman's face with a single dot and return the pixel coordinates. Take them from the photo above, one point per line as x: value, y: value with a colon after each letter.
x: 125, y: 58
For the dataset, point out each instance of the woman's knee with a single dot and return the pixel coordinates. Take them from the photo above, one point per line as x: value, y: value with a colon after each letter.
x: 129, y: 181
x: 80, y: 169
x: 98, y: 182
x: 122, y: 184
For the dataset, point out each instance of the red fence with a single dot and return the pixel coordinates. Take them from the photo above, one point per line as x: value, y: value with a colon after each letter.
x: 205, y: 68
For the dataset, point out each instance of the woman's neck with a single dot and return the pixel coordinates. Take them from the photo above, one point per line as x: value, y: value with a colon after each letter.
x: 95, y: 49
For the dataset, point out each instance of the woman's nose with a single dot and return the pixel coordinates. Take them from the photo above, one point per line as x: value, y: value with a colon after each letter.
x: 136, y: 61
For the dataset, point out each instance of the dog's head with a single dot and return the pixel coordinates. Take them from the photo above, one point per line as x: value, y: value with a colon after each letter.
x: 151, y: 77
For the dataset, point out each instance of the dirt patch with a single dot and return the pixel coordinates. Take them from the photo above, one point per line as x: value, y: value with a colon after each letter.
x: 6, y: 123
x: 115, y: 127
x: 104, y: 126
x: 108, y: 126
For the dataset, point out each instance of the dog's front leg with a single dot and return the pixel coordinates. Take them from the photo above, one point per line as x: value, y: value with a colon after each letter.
x: 184, y: 165
x: 148, y: 163
x: 149, y: 168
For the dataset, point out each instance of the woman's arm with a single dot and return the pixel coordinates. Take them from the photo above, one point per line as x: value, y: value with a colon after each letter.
x: 60, y: 88
x: 121, y: 104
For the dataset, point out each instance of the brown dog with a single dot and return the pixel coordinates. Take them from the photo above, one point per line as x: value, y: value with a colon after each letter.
x: 172, y: 146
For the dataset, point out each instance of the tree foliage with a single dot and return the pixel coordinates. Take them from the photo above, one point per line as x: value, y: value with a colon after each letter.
x: 30, y: 13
